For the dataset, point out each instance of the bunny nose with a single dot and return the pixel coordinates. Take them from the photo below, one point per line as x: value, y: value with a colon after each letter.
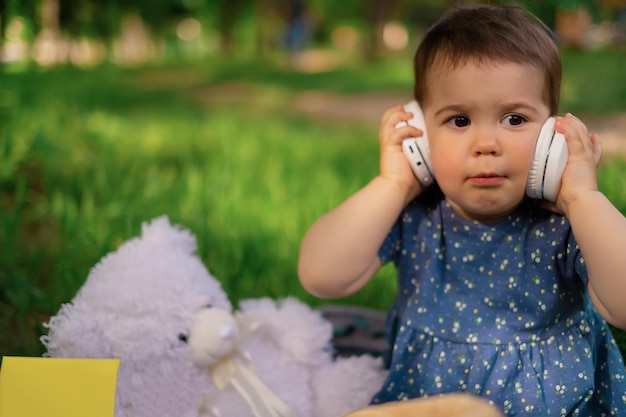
x: 227, y: 333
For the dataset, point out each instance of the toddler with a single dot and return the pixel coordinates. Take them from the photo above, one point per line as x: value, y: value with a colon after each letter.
x: 499, y: 295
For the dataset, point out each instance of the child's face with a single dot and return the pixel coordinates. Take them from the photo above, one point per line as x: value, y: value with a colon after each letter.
x: 483, y: 121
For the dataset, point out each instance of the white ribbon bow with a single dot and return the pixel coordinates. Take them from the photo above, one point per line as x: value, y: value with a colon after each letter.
x: 216, y: 340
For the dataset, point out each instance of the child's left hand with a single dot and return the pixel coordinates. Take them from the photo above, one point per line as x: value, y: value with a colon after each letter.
x: 585, y: 152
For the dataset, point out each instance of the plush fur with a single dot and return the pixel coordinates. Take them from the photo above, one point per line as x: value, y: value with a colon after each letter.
x: 138, y: 304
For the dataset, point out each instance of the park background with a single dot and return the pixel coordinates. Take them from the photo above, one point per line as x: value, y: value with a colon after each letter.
x: 242, y: 120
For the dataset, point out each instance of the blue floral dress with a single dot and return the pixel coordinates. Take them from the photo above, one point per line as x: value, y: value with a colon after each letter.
x: 498, y: 310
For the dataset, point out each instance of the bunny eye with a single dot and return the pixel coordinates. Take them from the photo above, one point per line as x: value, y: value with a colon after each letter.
x: 182, y: 337
x: 208, y: 305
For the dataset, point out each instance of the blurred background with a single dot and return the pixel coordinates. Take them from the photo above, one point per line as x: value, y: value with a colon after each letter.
x: 242, y: 120
x: 316, y: 34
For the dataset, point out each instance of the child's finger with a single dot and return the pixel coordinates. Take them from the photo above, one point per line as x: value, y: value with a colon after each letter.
x: 408, y: 132
x: 393, y: 113
x: 597, y: 148
x: 576, y: 134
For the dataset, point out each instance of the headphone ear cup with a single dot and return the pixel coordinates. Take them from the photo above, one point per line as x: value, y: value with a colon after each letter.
x: 416, y: 149
x: 417, y: 152
x: 548, y: 163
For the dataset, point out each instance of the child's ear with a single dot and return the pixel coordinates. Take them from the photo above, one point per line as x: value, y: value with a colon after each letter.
x: 445, y: 405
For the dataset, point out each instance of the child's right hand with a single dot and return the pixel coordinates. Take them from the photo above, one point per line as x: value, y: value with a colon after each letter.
x: 393, y: 163
x: 339, y: 252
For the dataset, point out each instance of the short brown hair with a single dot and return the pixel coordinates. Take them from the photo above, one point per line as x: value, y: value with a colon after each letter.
x: 483, y: 34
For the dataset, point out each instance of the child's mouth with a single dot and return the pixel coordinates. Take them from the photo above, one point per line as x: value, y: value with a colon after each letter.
x: 487, y: 180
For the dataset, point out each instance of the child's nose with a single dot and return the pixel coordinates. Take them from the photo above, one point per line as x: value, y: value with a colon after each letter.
x: 486, y: 142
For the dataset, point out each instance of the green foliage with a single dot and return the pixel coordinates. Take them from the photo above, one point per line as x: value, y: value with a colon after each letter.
x: 387, y: 75
x: 593, y: 82
x: 103, y: 20
x: 546, y: 10
x: 88, y: 156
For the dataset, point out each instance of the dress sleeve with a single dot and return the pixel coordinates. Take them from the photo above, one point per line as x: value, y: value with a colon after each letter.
x: 389, y: 249
x: 575, y: 260
x: 571, y: 264
x: 406, y: 224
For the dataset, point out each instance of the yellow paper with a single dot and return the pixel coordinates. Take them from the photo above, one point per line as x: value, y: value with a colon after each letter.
x: 54, y: 387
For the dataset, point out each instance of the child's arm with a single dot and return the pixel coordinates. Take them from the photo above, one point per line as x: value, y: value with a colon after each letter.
x: 339, y: 253
x: 600, y: 228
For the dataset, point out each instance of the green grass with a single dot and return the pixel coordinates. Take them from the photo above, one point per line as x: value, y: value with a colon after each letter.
x: 594, y: 82
x: 87, y: 156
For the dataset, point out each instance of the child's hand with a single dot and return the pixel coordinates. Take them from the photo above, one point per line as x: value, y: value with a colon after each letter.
x: 393, y: 163
x: 585, y: 151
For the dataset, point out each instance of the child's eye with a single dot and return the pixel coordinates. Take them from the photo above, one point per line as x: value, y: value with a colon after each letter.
x: 459, y: 121
x: 514, y: 119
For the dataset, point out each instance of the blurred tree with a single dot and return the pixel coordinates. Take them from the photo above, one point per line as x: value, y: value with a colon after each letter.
x: 228, y: 13
x: 378, y: 13
x: 613, y: 4
x: 27, y: 9
x: 81, y: 18
x: 102, y: 19
x: 3, y: 22
x: 160, y: 15
x: 263, y: 32
x: 258, y: 19
x: 544, y: 10
x: 415, y: 14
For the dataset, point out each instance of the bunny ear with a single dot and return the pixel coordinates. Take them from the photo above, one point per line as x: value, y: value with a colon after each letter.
x: 157, y: 236
x: 160, y: 230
